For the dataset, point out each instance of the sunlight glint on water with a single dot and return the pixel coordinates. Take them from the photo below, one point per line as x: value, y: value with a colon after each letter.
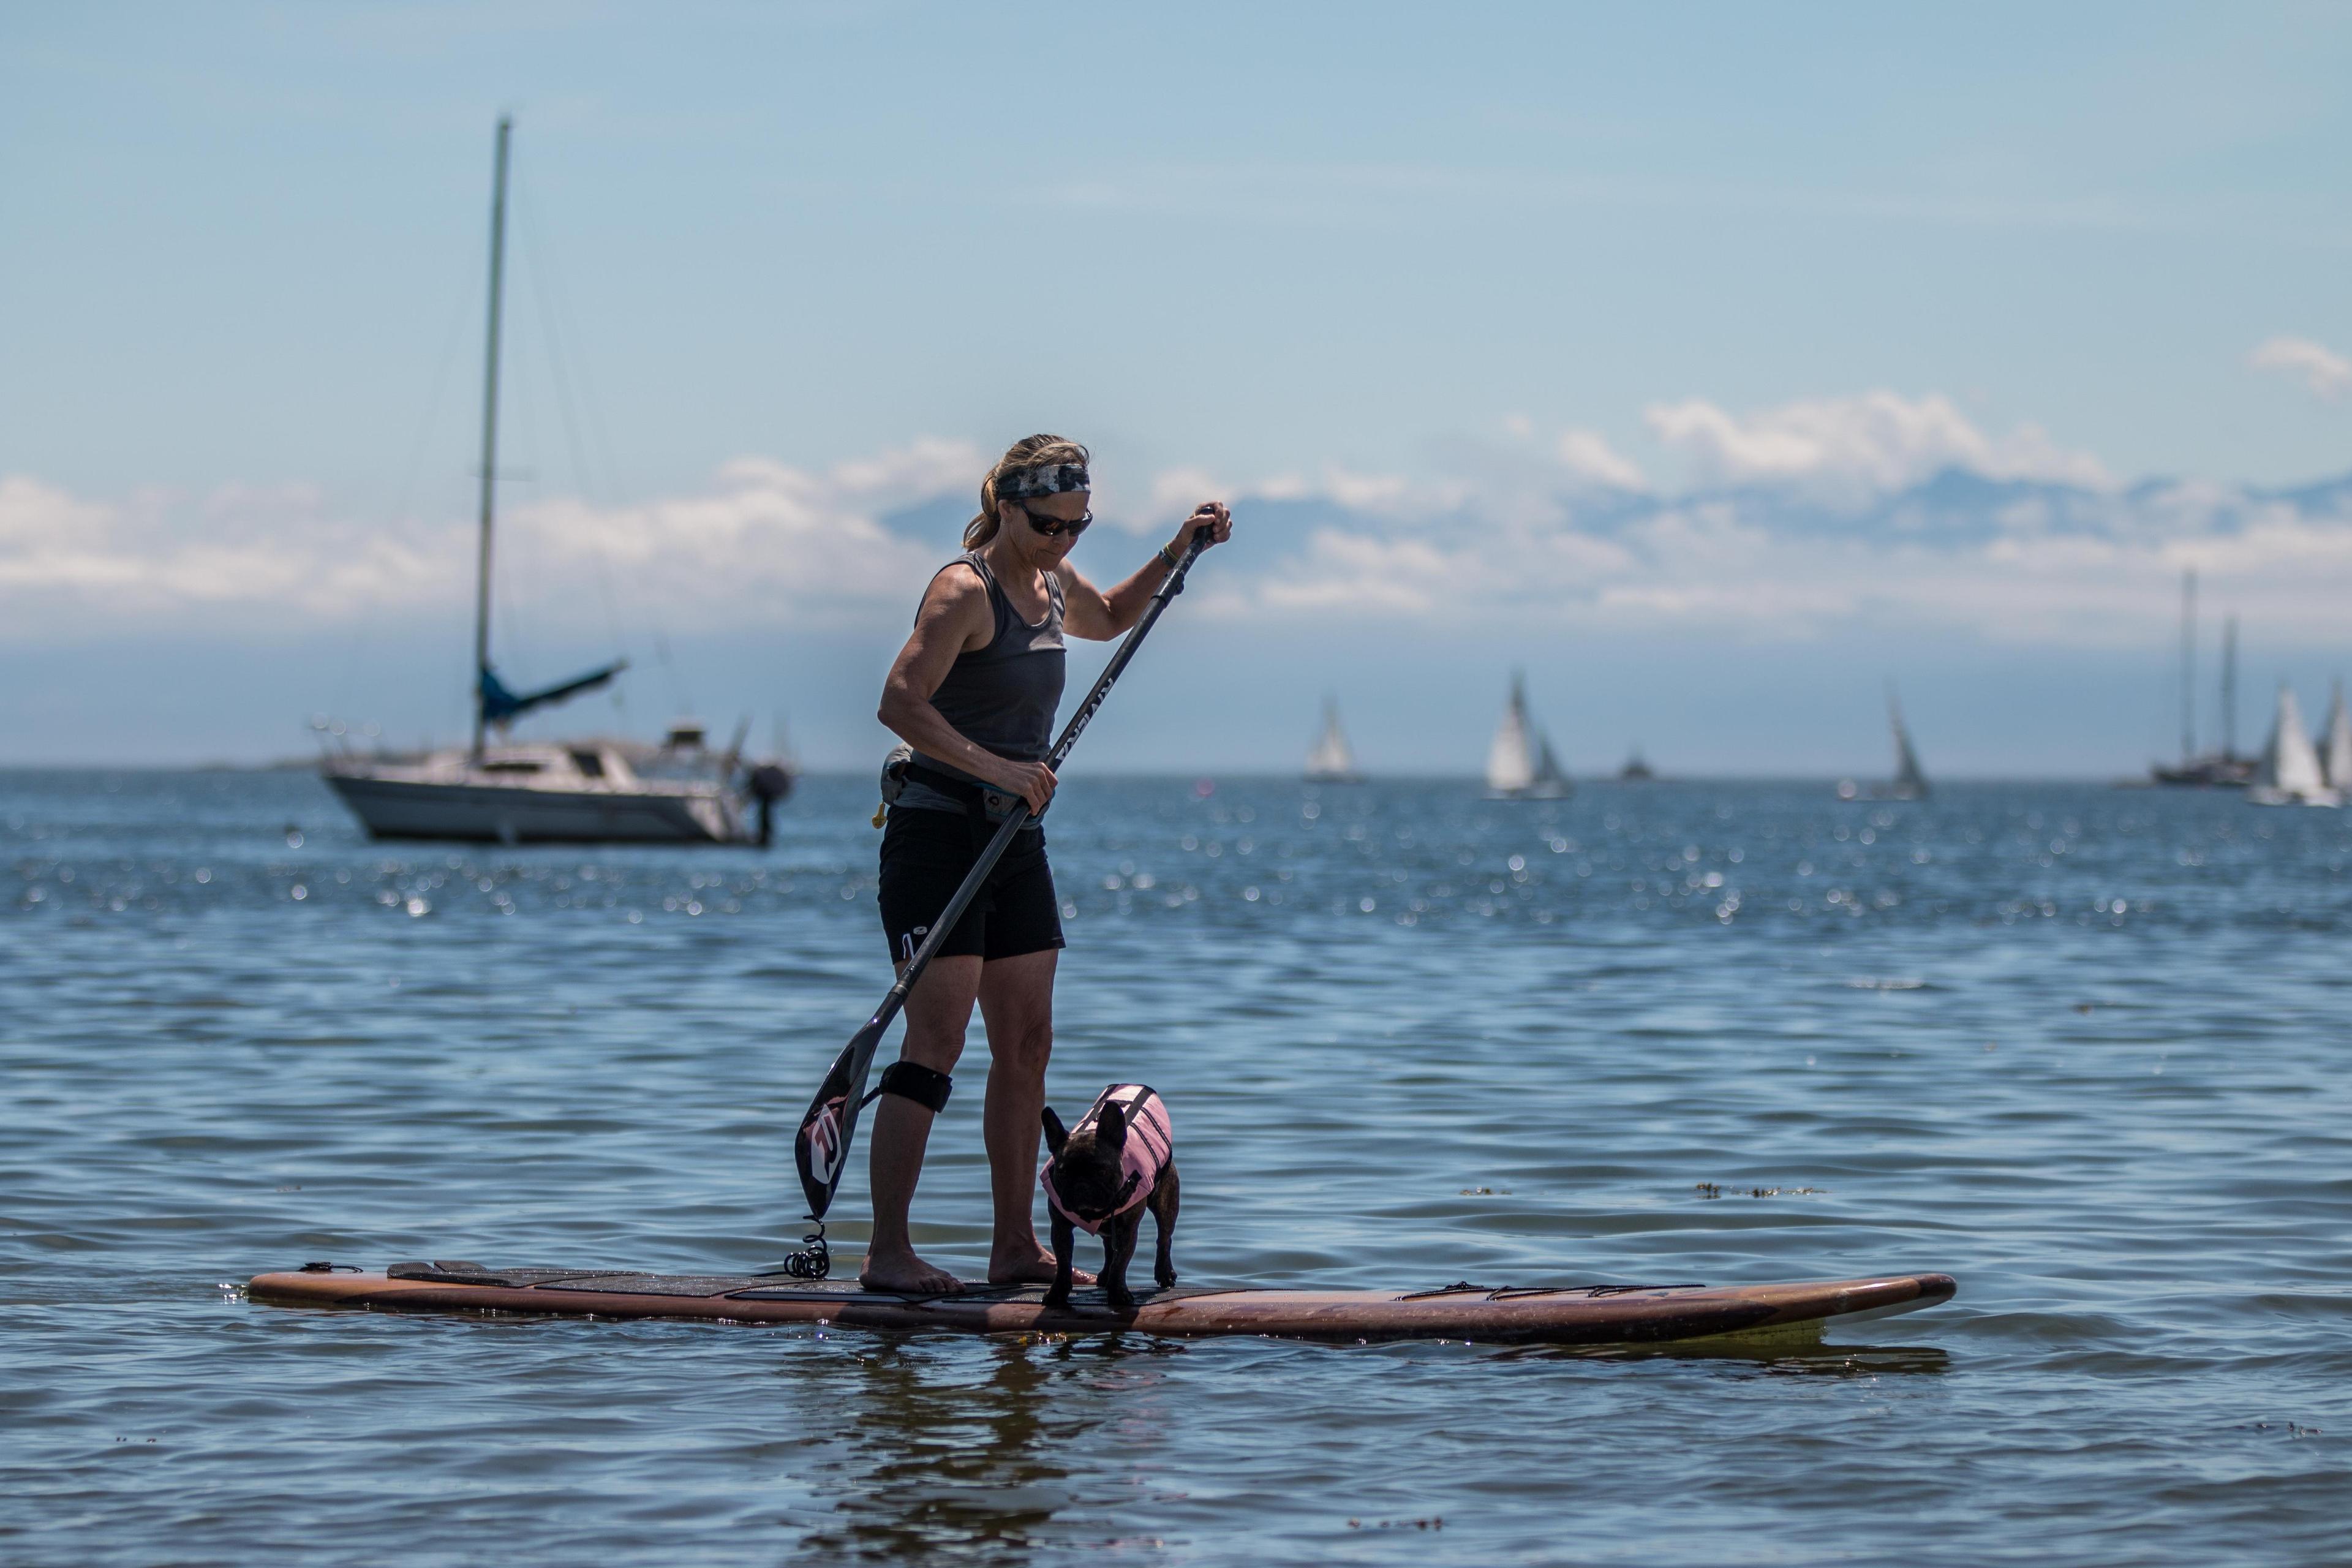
x: 2082, y: 1047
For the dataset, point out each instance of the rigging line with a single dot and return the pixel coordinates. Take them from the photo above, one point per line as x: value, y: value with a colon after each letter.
x: 555, y: 300
x: 519, y: 432
x: 459, y: 310
x: 543, y: 297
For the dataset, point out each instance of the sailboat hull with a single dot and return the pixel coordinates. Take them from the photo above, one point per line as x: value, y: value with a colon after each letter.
x: 2261, y: 795
x: 2209, y: 772
x: 503, y: 814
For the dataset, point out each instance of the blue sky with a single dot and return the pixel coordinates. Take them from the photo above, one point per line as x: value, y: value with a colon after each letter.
x: 1427, y: 287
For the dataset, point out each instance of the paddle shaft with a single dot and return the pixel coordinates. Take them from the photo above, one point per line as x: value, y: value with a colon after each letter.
x: 843, y: 1087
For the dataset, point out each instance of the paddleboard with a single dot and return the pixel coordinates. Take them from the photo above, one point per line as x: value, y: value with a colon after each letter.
x: 1558, y: 1315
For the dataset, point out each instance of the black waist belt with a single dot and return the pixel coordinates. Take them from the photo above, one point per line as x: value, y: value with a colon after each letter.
x: 978, y: 800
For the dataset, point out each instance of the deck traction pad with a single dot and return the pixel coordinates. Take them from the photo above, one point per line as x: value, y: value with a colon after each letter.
x: 747, y: 1286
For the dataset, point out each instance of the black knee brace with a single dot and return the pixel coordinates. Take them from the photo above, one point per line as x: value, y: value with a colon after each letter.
x: 910, y: 1081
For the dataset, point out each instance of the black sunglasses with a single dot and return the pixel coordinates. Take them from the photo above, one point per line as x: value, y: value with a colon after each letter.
x: 1054, y: 527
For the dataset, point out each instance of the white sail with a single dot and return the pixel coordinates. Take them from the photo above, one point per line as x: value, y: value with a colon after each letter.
x: 1520, y: 764
x: 1551, y: 779
x: 1910, y: 782
x: 1331, y: 761
x: 1510, y: 760
x: 2290, y: 772
x: 2336, y: 758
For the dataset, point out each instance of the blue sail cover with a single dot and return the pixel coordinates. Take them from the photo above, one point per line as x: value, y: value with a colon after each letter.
x: 500, y: 705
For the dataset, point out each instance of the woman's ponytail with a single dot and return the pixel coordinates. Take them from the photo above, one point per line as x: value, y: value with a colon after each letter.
x: 1029, y: 452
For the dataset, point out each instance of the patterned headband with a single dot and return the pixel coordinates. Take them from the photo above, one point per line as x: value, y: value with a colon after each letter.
x: 1052, y: 479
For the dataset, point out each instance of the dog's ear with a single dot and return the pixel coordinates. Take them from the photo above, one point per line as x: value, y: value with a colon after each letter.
x: 1110, y: 1127
x: 1055, y: 1133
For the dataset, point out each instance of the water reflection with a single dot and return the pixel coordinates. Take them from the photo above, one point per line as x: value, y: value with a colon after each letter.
x: 1806, y: 1361
x: 959, y: 1448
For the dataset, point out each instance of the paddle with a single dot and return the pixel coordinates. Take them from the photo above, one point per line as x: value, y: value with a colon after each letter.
x: 821, y: 1149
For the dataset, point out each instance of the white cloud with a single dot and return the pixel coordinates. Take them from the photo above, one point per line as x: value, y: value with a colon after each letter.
x: 75, y: 564
x: 796, y: 546
x: 1534, y: 540
x: 1588, y: 456
x: 765, y: 543
x: 2099, y: 568
x: 2321, y: 369
x: 1850, y: 449
x: 1172, y: 495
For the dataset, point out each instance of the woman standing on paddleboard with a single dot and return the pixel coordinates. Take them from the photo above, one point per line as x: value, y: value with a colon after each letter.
x: 973, y: 693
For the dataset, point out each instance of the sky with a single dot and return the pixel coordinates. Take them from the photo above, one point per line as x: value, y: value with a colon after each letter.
x: 1718, y: 366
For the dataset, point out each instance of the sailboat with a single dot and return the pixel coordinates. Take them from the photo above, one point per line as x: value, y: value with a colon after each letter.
x: 1331, y: 761
x: 2217, y: 768
x: 1520, y: 764
x: 2336, y: 752
x: 581, y: 792
x: 1909, y: 782
x: 2289, y: 773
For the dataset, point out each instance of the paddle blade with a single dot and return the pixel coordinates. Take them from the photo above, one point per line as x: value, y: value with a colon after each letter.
x: 820, y: 1148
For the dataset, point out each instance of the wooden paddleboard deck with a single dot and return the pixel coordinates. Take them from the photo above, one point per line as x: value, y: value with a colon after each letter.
x: 1560, y: 1315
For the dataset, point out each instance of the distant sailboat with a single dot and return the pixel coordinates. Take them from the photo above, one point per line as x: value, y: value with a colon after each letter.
x: 1636, y: 768
x: 2222, y: 768
x: 2335, y: 755
x: 1520, y: 764
x: 1910, y: 781
x: 580, y: 791
x: 2289, y: 773
x: 1331, y: 761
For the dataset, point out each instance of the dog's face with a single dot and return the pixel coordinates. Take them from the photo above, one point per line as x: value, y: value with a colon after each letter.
x: 1089, y: 1170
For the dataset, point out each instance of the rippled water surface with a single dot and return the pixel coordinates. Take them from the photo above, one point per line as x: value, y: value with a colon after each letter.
x: 2084, y: 1049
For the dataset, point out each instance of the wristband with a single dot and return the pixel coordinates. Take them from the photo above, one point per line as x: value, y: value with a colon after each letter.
x: 1168, y: 556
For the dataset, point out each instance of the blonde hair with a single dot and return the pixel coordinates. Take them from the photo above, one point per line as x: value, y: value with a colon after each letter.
x: 1029, y: 452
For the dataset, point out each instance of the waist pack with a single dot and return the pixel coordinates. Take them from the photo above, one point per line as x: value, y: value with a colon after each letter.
x: 899, y: 768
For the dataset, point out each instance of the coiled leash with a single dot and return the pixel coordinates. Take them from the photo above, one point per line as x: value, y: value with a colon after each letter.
x: 813, y: 1261
x: 909, y: 1080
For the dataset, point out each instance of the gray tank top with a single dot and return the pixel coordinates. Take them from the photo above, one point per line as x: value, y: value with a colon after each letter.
x: 1001, y: 697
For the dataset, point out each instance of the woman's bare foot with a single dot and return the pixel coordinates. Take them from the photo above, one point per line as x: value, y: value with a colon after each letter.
x: 899, y: 1270
x: 1032, y: 1265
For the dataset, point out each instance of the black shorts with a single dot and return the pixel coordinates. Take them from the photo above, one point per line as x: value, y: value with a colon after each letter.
x: 926, y: 856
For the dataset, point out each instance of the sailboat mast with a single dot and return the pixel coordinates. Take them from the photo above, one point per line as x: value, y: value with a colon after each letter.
x: 2230, y: 686
x: 489, y: 431
x: 2188, y: 666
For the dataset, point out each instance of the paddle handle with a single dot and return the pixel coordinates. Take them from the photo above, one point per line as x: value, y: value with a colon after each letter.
x: 821, y: 1150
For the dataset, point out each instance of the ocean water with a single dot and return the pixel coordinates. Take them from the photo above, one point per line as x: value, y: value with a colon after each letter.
x: 2084, y: 1049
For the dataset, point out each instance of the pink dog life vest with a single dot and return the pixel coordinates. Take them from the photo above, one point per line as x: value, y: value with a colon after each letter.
x: 1150, y: 1145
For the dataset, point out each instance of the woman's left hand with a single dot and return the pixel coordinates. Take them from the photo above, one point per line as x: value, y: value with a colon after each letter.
x: 1211, y: 516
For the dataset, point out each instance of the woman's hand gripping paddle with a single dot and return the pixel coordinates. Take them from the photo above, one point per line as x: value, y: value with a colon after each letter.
x: 822, y: 1147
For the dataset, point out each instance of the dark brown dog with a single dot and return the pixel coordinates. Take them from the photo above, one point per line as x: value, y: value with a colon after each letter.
x: 1120, y: 1160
